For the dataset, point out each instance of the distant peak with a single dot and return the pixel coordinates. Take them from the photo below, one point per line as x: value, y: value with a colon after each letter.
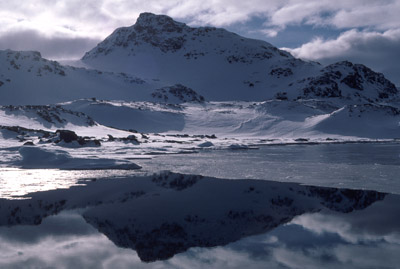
x: 23, y: 52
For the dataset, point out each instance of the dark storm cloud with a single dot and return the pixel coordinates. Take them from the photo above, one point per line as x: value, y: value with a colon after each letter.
x: 50, y: 47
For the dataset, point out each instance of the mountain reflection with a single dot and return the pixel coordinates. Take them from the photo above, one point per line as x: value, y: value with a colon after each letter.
x: 161, y: 215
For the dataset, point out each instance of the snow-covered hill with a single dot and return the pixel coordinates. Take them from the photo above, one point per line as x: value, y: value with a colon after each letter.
x: 221, y: 65
x: 27, y: 78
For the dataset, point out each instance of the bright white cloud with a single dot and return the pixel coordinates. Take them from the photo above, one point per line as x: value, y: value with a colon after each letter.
x: 375, y: 49
x: 348, y: 43
x: 97, y: 18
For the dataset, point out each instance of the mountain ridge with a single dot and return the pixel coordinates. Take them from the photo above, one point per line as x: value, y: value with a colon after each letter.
x: 134, y: 62
x: 218, y: 63
x: 232, y: 87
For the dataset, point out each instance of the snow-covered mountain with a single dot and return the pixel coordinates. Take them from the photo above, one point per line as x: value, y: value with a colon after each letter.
x: 221, y: 65
x: 170, y: 78
x: 159, y: 59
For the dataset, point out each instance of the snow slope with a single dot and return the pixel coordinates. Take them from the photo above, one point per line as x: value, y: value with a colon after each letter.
x: 273, y: 119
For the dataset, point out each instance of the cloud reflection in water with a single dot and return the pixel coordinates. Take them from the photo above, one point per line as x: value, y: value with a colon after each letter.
x: 363, y: 238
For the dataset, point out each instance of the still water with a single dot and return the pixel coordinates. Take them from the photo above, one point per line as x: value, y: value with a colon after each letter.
x: 357, y: 166
x: 318, y: 231
x: 364, y: 238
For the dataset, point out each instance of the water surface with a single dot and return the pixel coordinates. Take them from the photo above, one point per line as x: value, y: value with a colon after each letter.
x: 359, y: 166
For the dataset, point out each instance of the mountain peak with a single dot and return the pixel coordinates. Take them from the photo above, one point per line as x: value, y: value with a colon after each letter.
x: 150, y: 18
x: 165, y: 23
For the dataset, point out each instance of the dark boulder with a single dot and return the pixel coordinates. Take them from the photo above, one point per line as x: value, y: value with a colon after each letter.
x: 67, y: 136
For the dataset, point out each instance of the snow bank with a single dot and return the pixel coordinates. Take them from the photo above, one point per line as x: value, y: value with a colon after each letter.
x: 239, y: 146
x: 206, y: 144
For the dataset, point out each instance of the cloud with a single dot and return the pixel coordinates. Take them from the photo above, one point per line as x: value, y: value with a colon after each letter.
x: 358, y: 226
x: 98, y: 17
x: 66, y: 29
x: 349, y: 43
x: 379, y: 14
x: 379, y: 51
x: 56, y: 47
x: 67, y: 241
x: 61, y: 241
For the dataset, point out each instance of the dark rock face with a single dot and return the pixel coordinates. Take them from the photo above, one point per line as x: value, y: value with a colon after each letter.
x: 28, y: 212
x: 175, y: 181
x: 162, y: 242
x: 249, y: 56
x: 179, y: 91
x: 281, y: 72
x: 362, y: 110
x: 353, y: 81
x: 149, y: 22
x: 24, y: 134
x: 281, y: 96
x: 130, y: 139
x: 158, y: 30
x: 68, y: 136
x: 360, y: 77
x: 16, y: 59
x: 346, y: 200
x: 336, y: 78
x: 322, y: 86
x: 50, y: 114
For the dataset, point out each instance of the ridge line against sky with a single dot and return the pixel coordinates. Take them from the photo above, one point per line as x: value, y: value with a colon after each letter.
x: 362, y: 31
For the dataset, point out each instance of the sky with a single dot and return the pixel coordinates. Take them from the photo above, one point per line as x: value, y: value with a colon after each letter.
x: 362, y: 31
